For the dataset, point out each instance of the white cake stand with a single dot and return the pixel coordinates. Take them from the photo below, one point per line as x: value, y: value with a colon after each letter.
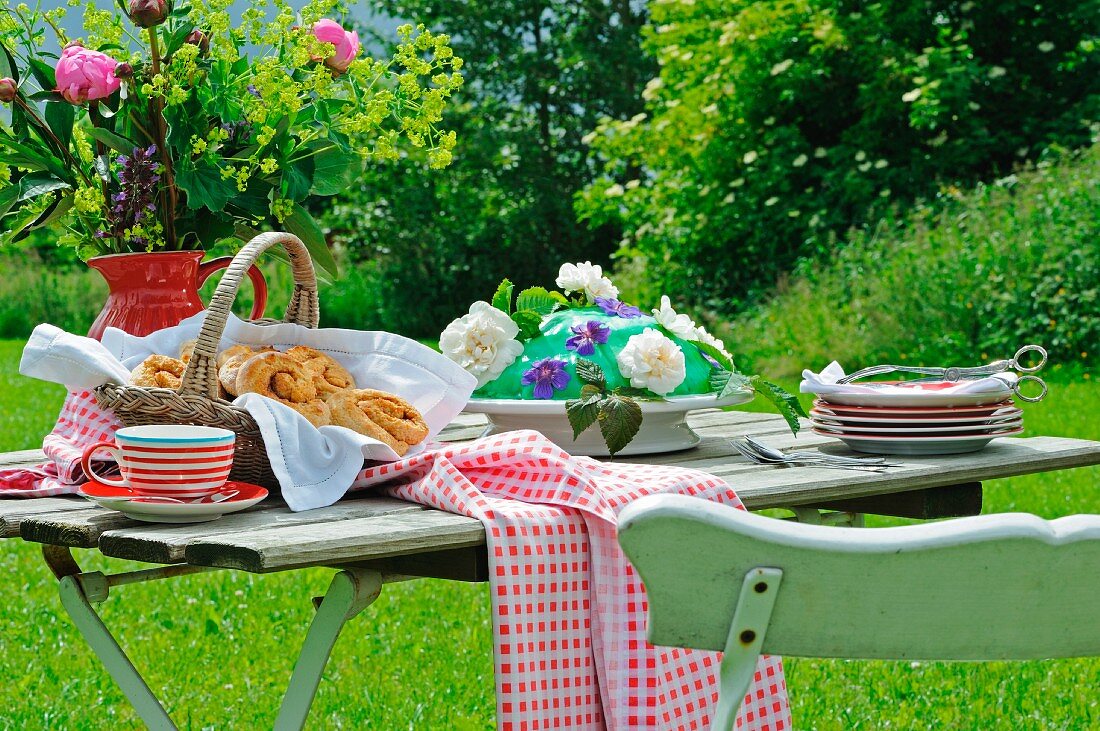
x: 663, y: 426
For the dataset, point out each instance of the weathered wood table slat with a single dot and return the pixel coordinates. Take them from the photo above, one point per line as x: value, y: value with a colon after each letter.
x: 372, y: 539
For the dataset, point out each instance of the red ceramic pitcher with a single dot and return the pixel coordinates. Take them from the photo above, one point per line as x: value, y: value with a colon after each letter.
x: 149, y: 292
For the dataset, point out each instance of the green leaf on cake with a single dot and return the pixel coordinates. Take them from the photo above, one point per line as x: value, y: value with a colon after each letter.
x: 639, y: 393
x: 502, y: 298
x: 540, y: 300
x: 726, y: 383
x: 592, y: 393
x: 528, y: 323
x: 584, y: 411
x: 718, y: 355
x: 590, y: 372
x: 785, y: 403
x: 620, y: 418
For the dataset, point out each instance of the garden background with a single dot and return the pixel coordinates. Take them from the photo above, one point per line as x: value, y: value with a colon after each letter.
x: 813, y: 179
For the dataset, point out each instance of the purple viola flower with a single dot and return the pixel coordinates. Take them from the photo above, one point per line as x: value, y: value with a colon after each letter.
x: 587, y: 336
x: 615, y: 307
x: 548, y: 375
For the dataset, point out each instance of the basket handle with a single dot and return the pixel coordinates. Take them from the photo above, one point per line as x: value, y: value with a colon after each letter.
x: 201, y: 375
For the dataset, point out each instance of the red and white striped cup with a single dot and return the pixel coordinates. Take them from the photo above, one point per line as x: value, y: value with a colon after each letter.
x: 167, y: 461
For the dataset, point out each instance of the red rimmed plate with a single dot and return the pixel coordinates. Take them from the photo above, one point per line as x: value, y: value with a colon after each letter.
x: 909, y: 430
x: 918, y: 394
x: 916, y: 446
x: 152, y: 510
x: 898, y: 420
x: 913, y: 411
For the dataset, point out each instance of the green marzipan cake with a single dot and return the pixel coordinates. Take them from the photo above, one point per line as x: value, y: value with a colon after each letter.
x: 550, y: 343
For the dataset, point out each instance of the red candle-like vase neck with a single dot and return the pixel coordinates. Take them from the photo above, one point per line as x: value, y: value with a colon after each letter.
x: 148, y: 292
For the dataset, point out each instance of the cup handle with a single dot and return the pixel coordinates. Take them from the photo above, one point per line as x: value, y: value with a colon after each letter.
x: 86, y: 464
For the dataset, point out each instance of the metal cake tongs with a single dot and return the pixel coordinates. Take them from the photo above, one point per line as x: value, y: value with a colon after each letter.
x: 954, y: 373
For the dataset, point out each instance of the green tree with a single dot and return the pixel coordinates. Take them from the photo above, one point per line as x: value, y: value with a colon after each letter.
x: 540, y: 75
x: 776, y: 125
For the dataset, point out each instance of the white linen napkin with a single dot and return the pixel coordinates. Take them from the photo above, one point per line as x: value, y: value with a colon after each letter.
x: 825, y: 383
x: 314, y: 467
x: 76, y: 362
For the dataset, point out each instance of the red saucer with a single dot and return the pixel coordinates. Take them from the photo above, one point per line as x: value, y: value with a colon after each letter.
x: 245, y: 491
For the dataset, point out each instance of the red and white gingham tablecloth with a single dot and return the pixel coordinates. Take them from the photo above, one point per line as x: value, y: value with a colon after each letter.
x: 568, y: 609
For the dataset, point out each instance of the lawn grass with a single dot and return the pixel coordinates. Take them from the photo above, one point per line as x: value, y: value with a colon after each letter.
x: 219, y: 647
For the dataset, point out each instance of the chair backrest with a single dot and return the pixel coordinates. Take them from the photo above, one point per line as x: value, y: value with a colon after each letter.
x: 992, y: 587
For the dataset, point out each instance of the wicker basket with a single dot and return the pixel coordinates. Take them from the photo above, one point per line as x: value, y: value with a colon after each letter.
x: 197, y: 401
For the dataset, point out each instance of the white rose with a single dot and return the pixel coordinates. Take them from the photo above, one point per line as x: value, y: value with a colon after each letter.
x: 601, y: 287
x: 679, y: 325
x: 587, y: 278
x: 702, y: 336
x: 483, y: 342
x: 651, y: 360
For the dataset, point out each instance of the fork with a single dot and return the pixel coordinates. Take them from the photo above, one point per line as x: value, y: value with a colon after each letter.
x: 765, y: 450
x: 872, y: 464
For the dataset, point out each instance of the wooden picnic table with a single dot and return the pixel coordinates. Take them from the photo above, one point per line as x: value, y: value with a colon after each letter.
x: 373, y: 540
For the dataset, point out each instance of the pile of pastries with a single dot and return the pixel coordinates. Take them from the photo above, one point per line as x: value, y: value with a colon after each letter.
x: 308, y: 381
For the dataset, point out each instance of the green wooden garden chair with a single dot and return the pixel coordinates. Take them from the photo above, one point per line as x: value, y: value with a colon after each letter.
x: 991, y: 587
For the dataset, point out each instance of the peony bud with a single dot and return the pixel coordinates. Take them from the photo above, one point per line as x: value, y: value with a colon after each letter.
x: 200, y: 39
x: 85, y: 75
x: 8, y: 90
x: 345, y: 41
x: 148, y: 13
x: 124, y: 71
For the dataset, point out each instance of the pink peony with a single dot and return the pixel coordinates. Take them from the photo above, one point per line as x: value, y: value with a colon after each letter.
x: 84, y: 75
x: 8, y: 90
x: 148, y: 13
x: 346, y: 42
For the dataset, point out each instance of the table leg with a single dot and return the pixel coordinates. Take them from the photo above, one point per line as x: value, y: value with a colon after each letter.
x: 114, y: 659
x: 351, y: 591
x: 813, y: 516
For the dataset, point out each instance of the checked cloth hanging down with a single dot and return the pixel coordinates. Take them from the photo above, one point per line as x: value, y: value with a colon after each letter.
x: 80, y: 423
x: 568, y: 609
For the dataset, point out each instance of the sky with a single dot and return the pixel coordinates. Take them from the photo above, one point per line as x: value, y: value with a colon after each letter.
x: 359, y: 11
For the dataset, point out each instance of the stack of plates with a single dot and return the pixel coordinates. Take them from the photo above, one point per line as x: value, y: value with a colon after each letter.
x: 917, y: 419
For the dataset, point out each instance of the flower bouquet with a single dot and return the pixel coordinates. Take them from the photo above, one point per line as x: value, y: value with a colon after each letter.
x: 154, y: 132
x: 585, y: 356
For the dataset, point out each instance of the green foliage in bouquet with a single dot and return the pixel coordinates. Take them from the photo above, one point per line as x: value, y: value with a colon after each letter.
x: 774, y: 126
x: 154, y: 132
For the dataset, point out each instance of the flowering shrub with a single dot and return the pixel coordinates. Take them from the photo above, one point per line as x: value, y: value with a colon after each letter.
x: 774, y: 125
x: 154, y: 132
